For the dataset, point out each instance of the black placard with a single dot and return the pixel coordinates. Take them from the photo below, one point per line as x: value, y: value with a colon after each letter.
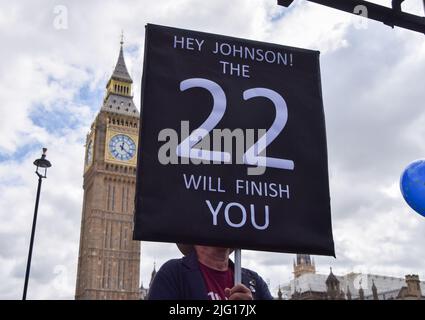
x: 217, y: 82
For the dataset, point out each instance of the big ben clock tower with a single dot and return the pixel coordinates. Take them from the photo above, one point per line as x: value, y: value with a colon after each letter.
x: 109, y: 260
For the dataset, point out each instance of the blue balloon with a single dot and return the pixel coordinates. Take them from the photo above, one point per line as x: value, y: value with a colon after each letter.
x: 412, y: 185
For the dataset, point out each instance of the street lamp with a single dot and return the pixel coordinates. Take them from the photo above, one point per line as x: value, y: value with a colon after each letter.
x: 42, y: 164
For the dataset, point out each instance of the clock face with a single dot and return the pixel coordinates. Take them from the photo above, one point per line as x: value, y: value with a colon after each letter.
x: 89, y: 156
x: 122, y: 147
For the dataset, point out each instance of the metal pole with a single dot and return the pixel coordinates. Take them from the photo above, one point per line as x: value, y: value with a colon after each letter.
x: 24, y: 296
x: 384, y: 14
x: 238, y: 267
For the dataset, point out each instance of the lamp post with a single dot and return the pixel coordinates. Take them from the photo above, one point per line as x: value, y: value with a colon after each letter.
x: 42, y: 164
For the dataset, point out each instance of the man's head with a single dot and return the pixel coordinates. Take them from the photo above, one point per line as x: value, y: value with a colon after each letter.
x: 188, y: 248
x: 185, y: 248
x: 213, y: 250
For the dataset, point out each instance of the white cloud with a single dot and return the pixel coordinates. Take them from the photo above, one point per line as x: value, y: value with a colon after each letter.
x: 373, y: 93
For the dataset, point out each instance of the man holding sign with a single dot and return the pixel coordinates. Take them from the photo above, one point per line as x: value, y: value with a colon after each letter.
x: 232, y: 148
x: 205, y: 273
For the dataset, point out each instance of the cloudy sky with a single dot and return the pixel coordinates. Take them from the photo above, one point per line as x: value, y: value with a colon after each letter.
x: 52, y: 79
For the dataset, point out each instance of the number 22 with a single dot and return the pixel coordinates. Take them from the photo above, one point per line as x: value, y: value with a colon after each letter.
x: 251, y: 156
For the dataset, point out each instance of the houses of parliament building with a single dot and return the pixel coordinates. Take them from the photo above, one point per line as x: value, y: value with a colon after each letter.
x: 309, y: 285
x: 109, y: 260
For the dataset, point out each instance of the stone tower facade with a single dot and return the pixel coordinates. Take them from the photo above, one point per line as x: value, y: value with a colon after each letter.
x: 303, y: 265
x: 109, y: 260
x: 413, y: 286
